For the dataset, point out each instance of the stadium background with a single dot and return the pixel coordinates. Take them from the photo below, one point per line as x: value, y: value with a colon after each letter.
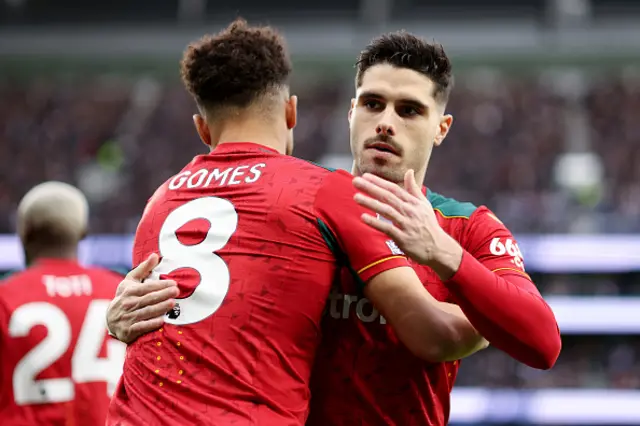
x: 546, y: 133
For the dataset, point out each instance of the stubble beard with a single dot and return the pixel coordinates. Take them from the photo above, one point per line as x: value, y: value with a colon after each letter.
x: 384, y: 171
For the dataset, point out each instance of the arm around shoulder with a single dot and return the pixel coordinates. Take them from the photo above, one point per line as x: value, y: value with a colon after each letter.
x: 431, y: 330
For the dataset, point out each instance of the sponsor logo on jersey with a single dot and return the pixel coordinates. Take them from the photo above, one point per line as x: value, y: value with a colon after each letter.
x: 344, y: 306
x: 507, y: 247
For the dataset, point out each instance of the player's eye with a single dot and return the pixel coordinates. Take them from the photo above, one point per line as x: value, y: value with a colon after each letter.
x: 407, y: 111
x: 373, y: 105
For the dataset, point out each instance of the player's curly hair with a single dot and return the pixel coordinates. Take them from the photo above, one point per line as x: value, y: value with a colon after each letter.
x: 404, y: 50
x: 236, y: 66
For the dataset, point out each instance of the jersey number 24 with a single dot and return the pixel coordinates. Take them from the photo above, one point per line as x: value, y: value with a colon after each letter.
x: 86, y: 366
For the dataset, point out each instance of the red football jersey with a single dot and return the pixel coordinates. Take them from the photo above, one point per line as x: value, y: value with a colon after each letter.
x: 251, y: 236
x: 58, y: 366
x: 363, y: 374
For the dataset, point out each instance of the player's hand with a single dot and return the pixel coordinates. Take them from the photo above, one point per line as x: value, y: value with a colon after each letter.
x: 411, y: 222
x: 139, y: 307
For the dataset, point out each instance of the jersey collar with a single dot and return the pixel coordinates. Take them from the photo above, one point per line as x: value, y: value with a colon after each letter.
x: 242, y: 147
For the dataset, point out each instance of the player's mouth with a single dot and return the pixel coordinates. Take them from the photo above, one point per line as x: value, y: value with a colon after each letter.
x: 383, y: 147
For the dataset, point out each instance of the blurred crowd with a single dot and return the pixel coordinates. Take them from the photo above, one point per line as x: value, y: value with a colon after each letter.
x: 118, y: 138
x: 627, y: 284
x: 611, y: 362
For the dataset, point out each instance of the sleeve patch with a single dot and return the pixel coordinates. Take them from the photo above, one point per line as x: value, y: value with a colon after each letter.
x: 394, y: 248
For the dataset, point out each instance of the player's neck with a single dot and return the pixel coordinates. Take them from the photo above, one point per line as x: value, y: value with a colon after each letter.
x: 276, y: 145
x: 251, y: 133
x: 33, y: 254
x: 420, y: 176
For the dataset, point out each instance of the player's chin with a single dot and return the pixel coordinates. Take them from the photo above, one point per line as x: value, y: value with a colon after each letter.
x: 390, y: 172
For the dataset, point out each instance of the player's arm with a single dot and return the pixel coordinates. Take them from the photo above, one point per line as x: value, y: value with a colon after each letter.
x: 421, y: 322
x: 433, y: 330
x: 498, y: 296
x: 500, y: 301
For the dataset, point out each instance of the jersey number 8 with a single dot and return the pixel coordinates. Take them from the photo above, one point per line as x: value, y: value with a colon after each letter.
x: 214, y: 273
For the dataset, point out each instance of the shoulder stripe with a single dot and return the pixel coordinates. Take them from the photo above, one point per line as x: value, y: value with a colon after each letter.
x: 371, y: 265
x: 514, y: 270
x: 450, y: 217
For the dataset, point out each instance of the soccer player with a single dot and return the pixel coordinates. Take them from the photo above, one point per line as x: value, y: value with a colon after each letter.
x: 464, y: 254
x: 254, y: 237
x: 57, y: 364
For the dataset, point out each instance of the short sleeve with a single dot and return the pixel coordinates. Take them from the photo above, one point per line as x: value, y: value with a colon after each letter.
x: 367, y: 251
x: 493, y: 245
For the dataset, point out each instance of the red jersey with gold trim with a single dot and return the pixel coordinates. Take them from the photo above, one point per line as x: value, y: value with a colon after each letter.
x: 249, y: 235
x: 363, y: 374
x: 58, y: 366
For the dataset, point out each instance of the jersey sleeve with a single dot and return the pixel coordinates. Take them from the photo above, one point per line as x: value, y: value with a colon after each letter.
x: 498, y: 297
x: 365, y: 251
x: 493, y: 245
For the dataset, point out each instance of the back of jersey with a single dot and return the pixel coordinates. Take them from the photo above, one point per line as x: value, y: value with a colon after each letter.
x: 237, y: 232
x: 57, y: 365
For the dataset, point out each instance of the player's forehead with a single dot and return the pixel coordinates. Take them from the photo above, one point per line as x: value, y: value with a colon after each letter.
x: 393, y: 83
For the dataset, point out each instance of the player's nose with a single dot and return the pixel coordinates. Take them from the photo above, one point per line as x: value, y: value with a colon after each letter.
x: 385, y: 129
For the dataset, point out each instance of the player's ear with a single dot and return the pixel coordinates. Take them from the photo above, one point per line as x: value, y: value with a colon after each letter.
x: 291, y: 111
x: 353, y: 104
x: 202, y: 129
x: 443, y: 129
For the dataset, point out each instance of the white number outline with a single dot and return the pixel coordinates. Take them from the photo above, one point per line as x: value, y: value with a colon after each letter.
x: 209, y: 294
x: 85, y: 364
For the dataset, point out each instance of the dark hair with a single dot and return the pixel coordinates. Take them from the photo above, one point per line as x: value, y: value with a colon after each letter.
x: 235, y: 66
x: 404, y: 50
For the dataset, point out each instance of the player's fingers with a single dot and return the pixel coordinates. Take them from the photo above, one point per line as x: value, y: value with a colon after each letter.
x: 152, y: 311
x: 411, y: 186
x: 382, y: 209
x: 382, y: 226
x: 378, y: 192
x: 143, y: 270
x: 138, y: 329
x: 396, y: 190
x: 147, y: 287
x: 158, y: 296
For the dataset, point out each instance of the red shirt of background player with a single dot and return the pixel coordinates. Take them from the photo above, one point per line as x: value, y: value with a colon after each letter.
x: 246, y: 233
x: 363, y: 375
x: 57, y: 364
